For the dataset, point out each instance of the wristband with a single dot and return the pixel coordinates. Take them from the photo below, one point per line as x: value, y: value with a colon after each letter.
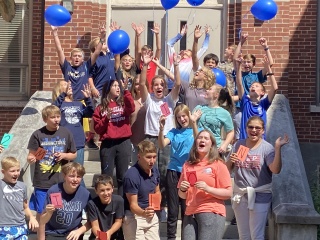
x: 266, y: 49
x: 270, y: 74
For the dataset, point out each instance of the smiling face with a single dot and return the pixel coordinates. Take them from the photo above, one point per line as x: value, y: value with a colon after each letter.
x: 203, y: 143
x: 72, y: 180
x: 11, y: 174
x: 158, y: 87
x: 183, y: 119
x: 256, y: 90
x: 126, y: 62
x: 255, y: 129
x: 104, y: 192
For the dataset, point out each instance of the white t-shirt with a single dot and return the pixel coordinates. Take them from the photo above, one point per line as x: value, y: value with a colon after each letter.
x: 153, y: 114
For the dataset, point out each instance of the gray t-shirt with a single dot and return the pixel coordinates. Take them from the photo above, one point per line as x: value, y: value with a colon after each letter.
x: 254, y: 171
x: 11, y: 203
x: 192, y: 96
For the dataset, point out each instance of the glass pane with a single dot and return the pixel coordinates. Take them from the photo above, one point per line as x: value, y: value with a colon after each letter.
x: 150, y: 34
x: 183, y: 41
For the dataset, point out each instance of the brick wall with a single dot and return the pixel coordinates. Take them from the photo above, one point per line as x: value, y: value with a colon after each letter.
x: 83, y: 27
x: 7, y: 117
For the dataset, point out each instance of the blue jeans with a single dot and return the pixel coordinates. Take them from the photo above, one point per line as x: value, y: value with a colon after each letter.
x: 80, y: 159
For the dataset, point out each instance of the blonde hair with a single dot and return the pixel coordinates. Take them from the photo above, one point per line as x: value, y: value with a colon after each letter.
x: 210, y: 79
x: 56, y: 91
x: 49, y: 111
x: 73, y: 167
x: 93, y: 44
x: 76, y: 50
x: 181, y: 108
x: 9, y: 162
x: 165, y: 85
x: 145, y: 147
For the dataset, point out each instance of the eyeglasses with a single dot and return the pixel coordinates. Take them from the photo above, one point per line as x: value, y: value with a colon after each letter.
x: 255, y: 127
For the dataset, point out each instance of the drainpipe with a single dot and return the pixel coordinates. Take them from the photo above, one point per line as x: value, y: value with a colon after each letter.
x: 318, y: 55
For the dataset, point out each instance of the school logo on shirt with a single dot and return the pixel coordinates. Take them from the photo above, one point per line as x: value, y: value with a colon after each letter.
x: 76, y: 74
x: 252, y: 162
x: 71, y: 114
x: 207, y: 171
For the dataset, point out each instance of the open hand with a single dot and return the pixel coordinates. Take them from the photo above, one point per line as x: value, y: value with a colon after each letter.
x: 282, y: 141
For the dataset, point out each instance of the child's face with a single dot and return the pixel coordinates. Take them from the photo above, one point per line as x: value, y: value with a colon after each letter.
x: 146, y: 50
x: 210, y: 63
x: 72, y: 180
x: 185, y: 54
x: 256, y: 90
x: 53, y: 122
x: 12, y: 174
x: 203, y: 143
x: 211, y: 93
x: 183, y: 119
x: 104, y: 192
x: 247, y: 65
x: 158, y: 88
x: 115, y: 90
x: 126, y: 63
x: 104, y: 47
x: 136, y: 85
x: 147, y: 161
x: 228, y: 52
x: 254, y: 130
x: 76, y: 59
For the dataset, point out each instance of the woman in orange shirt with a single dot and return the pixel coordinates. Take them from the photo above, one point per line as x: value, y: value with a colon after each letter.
x: 205, y: 183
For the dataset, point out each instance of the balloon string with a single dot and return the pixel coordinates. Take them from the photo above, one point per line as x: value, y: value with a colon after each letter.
x: 194, y: 14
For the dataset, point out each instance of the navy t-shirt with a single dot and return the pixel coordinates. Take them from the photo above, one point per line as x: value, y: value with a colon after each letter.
x: 69, y: 217
x: 137, y: 181
x: 103, y: 70
x: 78, y: 77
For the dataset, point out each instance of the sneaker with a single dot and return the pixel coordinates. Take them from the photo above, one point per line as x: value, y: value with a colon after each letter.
x: 91, y: 145
x: 163, y: 215
x: 233, y: 221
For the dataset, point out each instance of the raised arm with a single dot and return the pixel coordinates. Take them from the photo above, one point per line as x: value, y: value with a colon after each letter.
x: 102, y: 41
x: 57, y: 43
x: 274, y: 86
x: 137, y: 42
x: 172, y: 41
x: 195, y: 59
x: 146, y: 58
x: 177, y: 80
x: 163, y: 68
x: 264, y: 44
x: 194, y: 117
x: 205, y: 43
x: 237, y: 52
x: 156, y: 31
x: 114, y: 26
x: 276, y: 165
x: 162, y: 140
x: 239, y: 78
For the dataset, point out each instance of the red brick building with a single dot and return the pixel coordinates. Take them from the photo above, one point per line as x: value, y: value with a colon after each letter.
x: 292, y: 36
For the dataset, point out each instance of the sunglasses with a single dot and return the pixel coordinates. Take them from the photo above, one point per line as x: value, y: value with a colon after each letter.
x: 255, y: 127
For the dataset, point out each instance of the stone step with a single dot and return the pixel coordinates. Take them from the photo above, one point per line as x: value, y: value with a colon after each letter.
x: 92, y: 166
x: 91, y: 155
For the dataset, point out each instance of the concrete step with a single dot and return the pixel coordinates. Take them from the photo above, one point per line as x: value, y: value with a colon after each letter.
x: 91, y: 155
x: 92, y: 166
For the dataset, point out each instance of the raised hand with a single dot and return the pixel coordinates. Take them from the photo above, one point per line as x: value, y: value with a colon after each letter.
x: 162, y: 121
x: 207, y: 29
x: 156, y: 61
x: 147, y: 57
x: 54, y: 29
x: 265, y: 62
x: 184, y: 30
x: 102, y: 31
x: 243, y: 38
x: 197, y: 32
x: 263, y: 42
x: 137, y: 28
x: 156, y: 28
x: 86, y: 90
x: 114, y: 26
x: 176, y: 59
x: 195, y: 116
x: 282, y: 141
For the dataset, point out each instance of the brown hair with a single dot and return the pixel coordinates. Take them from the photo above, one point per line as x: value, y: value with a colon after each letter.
x: 255, y: 118
x: 104, y: 180
x: 73, y: 167
x: 9, y: 162
x: 165, y: 85
x: 213, y: 154
x: 106, y: 98
x: 145, y: 147
x: 225, y: 99
x: 250, y: 57
x: 49, y: 111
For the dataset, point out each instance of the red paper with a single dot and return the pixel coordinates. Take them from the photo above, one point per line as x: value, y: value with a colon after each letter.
x: 154, y: 201
x: 242, y: 153
x: 40, y: 153
x: 102, y: 235
x: 165, y: 109
x: 192, y: 177
x: 56, y: 200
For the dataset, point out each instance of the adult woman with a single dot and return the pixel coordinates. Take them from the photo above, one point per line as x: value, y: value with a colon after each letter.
x: 112, y: 122
x: 181, y: 139
x: 205, y: 183
x: 214, y: 117
x: 252, y: 179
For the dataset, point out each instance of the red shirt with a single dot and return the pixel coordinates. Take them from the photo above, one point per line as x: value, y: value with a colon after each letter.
x: 118, y: 126
x: 151, y: 72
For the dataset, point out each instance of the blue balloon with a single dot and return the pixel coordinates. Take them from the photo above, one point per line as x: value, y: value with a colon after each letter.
x: 195, y: 2
x: 168, y: 4
x: 118, y: 41
x: 220, y: 77
x: 57, y: 15
x: 264, y: 10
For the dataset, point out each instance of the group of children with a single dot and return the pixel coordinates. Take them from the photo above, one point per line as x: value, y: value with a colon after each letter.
x: 181, y: 136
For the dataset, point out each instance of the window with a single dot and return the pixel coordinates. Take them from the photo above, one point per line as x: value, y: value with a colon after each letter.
x: 150, y: 34
x: 183, y: 41
x: 14, y: 54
